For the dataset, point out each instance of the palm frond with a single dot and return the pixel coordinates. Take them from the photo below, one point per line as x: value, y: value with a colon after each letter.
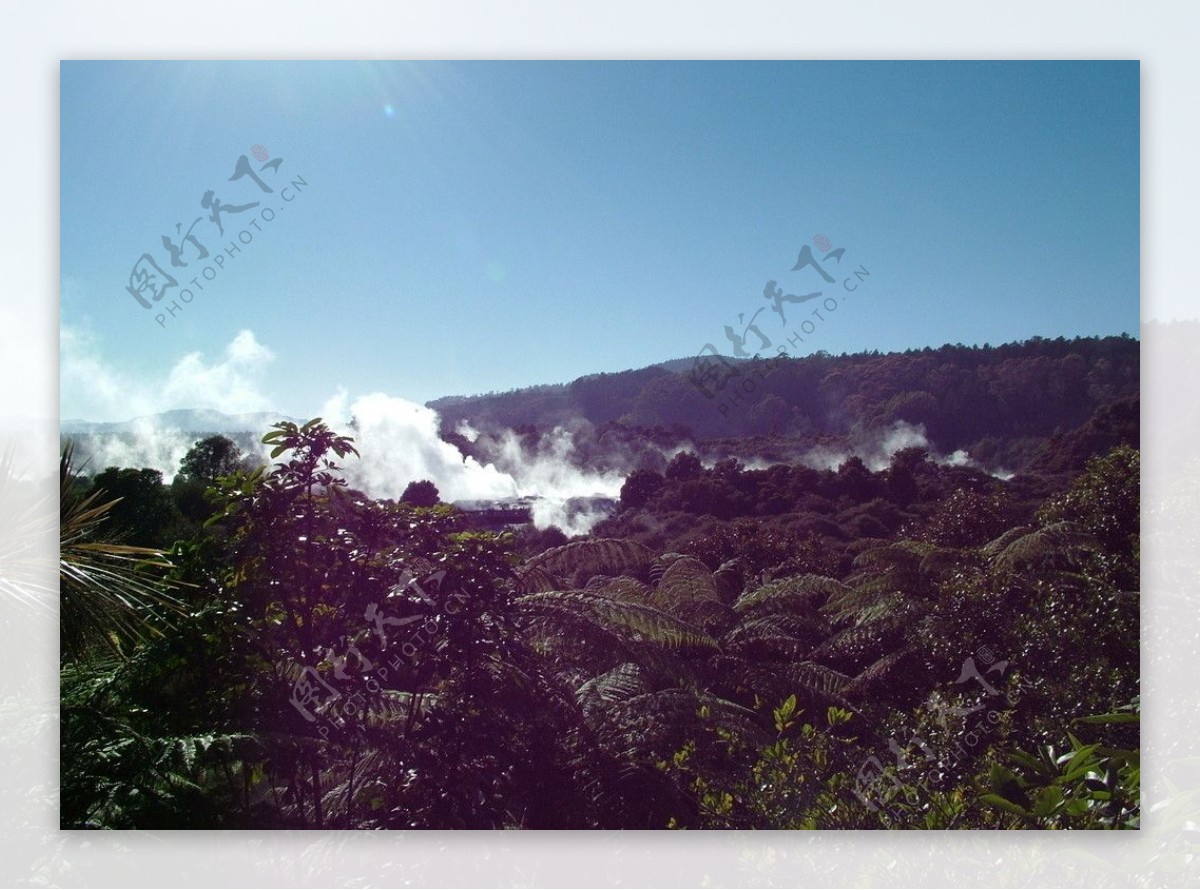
x: 108, y: 592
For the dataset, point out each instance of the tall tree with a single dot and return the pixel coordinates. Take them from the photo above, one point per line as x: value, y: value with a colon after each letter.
x: 211, y: 458
x: 421, y: 493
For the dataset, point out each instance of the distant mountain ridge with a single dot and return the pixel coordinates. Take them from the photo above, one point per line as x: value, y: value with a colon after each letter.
x: 189, y: 420
x: 1002, y: 404
x: 999, y: 403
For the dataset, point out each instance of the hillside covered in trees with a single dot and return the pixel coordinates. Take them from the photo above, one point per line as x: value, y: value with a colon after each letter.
x: 989, y: 401
x: 770, y: 630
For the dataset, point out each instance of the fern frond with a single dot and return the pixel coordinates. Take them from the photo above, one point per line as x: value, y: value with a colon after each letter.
x: 819, y: 683
x: 685, y: 580
x: 602, y: 556
x: 799, y: 592
x: 1060, y: 541
x: 622, y: 682
x: 711, y: 616
x: 534, y: 579
x: 660, y: 564
x: 775, y: 636
x: 879, y: 672
x: 626, y: 589
x: 852, y: 602
x: 653, y: 725
x: 637, y: 622
x: 995, y: 547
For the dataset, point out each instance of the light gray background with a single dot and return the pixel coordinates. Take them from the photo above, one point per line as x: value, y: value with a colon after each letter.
x: 35, y: 36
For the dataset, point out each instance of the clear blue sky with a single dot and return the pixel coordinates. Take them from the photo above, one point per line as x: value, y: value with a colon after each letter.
x: 475, y: 226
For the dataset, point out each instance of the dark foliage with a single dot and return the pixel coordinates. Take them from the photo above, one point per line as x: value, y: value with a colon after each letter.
x: 749, y: 642
x: 422, y: 493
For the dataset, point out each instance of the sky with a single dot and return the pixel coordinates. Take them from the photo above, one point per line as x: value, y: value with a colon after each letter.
x: 456, y: 228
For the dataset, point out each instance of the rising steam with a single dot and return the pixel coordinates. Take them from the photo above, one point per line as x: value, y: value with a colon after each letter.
x: 398, y: 441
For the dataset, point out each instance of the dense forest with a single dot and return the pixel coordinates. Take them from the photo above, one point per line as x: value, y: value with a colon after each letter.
x: 987, y: 400
x: 752, y: 639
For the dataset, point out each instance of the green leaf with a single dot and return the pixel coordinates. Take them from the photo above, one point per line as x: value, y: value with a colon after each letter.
x: 784, y: 712
x: 1076, y: 808
x: 1047, y: 801
x: 1125, y: 717
x: 1028, y: 761
x: 1000, y: 777
x: 1080, y: 757
x: 1001, y: 803
x: 836, y: 716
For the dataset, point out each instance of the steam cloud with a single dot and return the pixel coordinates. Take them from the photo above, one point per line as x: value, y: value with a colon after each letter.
x: 398, y: 442
x: 877, y: 448
x: 93, y: 387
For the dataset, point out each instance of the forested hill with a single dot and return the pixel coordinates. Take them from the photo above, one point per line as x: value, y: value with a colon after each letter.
x: 986, y: 399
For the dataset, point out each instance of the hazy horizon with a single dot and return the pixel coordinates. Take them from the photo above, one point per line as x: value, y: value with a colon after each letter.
x: 285, y: 414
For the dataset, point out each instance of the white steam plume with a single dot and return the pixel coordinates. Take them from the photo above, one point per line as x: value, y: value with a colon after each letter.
x: 398, y: 443
x: 877, y: 449
x: 94, y: 388
x: 552, y: 476
x: 874, y: 448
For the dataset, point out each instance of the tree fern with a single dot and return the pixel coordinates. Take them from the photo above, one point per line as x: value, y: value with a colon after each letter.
x: 639, y: 623
x: 660, y: 564
x: 1054, y: 544
x: 534, y: 579
x: 686, y: 580
x: 712, y: 616
x: 775, y: 636
x: 626, y: 589
x: 995, y: 547
x: 731, y: 579
x: 624, y: 681
x: 798, y: 593
x: 881, y: 673
x: 818, y: 678
x: 602, y: 556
